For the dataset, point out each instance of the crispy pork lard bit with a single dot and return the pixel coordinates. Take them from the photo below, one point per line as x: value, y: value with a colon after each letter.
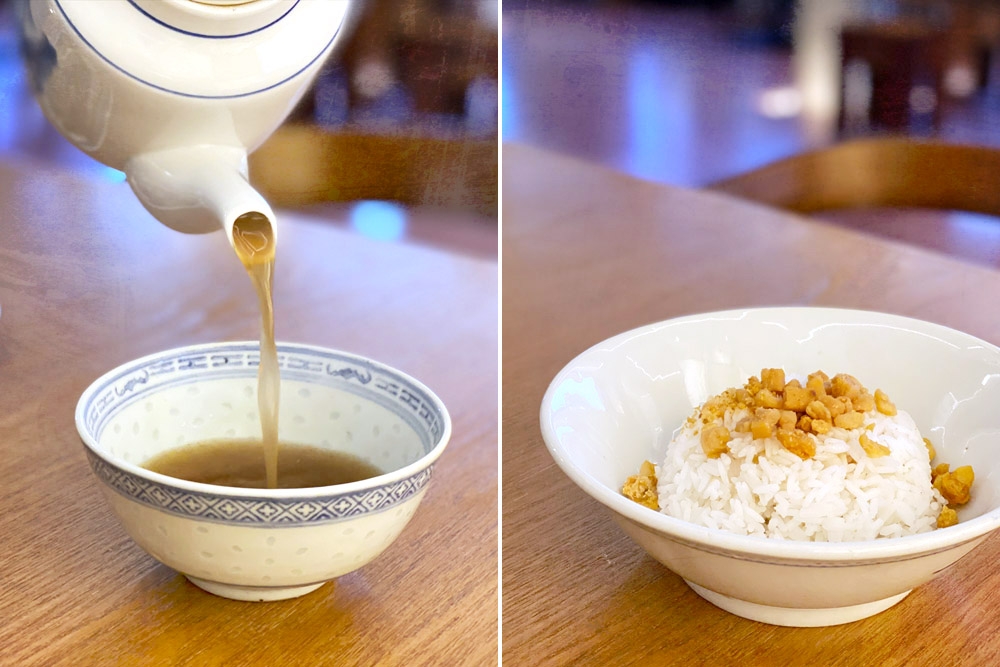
x: 641, y: 488
x: 798, y: 417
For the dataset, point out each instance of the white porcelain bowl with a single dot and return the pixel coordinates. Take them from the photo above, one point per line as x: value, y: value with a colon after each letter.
x: 621, y: 401
x: 271, y: 544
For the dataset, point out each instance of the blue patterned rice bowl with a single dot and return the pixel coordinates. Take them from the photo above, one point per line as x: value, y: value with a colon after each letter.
x: 263, y: 544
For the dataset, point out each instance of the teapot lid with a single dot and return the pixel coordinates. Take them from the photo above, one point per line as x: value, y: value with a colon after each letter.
x: 208, y: 48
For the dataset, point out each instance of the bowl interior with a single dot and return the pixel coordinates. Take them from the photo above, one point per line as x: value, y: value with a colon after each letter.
x: 328, y: 399
x: 621, y: 401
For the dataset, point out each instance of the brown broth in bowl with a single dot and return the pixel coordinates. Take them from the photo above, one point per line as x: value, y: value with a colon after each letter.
x: 240, y: 463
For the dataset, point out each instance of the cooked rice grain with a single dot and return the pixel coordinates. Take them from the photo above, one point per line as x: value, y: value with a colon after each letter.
x: 823, y: 498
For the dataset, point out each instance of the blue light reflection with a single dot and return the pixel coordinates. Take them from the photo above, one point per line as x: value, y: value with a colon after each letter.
x: 660, y: 118
x: 577, y: 393
x: 380, y: 220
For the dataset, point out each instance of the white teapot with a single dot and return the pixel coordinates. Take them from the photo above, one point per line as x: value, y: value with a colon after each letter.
x: 175, y: 93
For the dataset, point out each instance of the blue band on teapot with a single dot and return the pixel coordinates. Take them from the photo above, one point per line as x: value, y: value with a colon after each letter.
x: 205, y: 36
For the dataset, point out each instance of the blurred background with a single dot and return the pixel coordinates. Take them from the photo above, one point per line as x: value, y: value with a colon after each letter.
x: 689, y: 92
x: 414, y: 92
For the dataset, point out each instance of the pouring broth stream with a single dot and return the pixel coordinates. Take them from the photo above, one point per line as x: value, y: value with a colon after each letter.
x: 253, y: 240
x: 236, y: 463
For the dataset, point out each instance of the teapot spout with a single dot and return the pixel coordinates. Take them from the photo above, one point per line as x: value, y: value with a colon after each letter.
x: 198, y: 189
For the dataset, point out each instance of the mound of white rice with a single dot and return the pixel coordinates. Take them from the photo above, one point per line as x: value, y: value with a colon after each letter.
x: 828, y: 497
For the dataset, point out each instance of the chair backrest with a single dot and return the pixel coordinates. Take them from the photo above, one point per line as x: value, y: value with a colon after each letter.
x: 882, y: 172
x: 302, y: 165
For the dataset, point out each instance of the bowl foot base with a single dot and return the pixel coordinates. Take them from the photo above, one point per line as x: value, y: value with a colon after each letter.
x: 252, y: 593
x: 796, y: 618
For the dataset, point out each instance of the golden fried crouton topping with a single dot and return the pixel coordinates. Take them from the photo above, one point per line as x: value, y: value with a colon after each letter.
x: 817, y: 383
x: 804, y: 423
x: 798, y: 443
x: 873, y: 449
x: 760, y: 429
x: 716, y: 407
x: 947, y: 517
x: 817, y: 410
x: 766, y: 398
x: 849, y: 420
x: 775, y: 405
x: 843, y: 384
x: 715, y: 440
x: 883, y: 404
x: 955, y: 485
x: 796, y: 398
x: 768, y: 415
x: 642, y: 487
x: 773, y: 379
x: 820, y: 426
x: 795, y: 414
x: 863, y: 403
x: 836, y: 406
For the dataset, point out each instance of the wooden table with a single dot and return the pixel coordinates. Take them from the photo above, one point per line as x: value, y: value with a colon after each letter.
x: 88, y: 281
x: 588, y: 253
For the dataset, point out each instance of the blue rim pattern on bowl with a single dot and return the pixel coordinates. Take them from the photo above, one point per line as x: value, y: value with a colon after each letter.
x: 362, y: 377
x: 352, y: 374
x: 256, y: 511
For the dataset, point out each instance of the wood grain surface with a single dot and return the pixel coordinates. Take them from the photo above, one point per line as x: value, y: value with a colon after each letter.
x: 588, y: 253
x: 88, y: 281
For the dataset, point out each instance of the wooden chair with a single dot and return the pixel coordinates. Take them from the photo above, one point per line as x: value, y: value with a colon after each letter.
x: 877, y: 173
x: 435, y: 48
x: 900, y: 56
x: 302, y: 165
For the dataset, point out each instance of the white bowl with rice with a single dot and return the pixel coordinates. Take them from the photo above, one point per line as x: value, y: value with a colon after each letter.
x: 813, y: 539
